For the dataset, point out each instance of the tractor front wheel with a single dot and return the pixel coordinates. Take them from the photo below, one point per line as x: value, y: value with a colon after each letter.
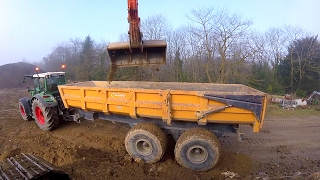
x: 46, y: 117
x: 23, y: 113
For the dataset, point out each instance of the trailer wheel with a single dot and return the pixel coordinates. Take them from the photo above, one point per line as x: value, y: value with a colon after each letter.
x: 146, y: 141
x: 24, y: 116
x: 197, y: 149
x: 46, y: 117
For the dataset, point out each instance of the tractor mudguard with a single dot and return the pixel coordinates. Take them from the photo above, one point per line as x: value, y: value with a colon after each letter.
x: 47, y: 100
x: 27, y: 105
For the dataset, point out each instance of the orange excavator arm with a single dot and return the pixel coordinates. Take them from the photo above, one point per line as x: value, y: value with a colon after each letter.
x: 134, y: 24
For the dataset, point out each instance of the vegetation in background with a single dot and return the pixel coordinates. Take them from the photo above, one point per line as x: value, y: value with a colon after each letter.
x: 216, y: 46
x: 274, y: 111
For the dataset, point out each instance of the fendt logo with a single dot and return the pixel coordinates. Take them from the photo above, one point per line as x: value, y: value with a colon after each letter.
x: 114, y: 94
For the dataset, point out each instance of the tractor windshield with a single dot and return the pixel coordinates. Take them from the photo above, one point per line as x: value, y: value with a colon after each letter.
x: 53, y: 81
x: 39, y: 84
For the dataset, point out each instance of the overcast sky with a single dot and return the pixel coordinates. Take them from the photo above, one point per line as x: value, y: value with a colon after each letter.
x: 30, y: 29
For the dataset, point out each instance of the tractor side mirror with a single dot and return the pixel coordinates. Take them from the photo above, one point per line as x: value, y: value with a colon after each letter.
x: 24, y: 80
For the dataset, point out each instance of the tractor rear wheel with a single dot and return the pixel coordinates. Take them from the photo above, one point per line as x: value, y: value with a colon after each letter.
x: 46, y: 117
x: 24, y: 116
x: 197, y: 149
x: 146, y: 141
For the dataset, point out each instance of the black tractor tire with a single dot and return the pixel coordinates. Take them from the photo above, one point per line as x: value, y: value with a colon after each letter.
x: 24, y: 116
x: 146, y: 141
x: 46, y: 117
x: 197, y: 149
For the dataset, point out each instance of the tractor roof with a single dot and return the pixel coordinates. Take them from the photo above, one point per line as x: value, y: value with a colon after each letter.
x: 48, y: 74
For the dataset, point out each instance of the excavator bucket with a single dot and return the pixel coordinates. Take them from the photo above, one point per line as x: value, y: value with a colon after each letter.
x: 151, y: 52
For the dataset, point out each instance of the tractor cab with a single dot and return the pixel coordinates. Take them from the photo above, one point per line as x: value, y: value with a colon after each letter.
x: 46, y: 83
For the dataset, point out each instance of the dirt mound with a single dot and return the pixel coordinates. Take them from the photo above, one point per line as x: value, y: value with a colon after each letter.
x: 11, y: 75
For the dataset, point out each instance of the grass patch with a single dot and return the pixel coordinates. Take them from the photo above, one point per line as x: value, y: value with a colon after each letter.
x: 273, y: 110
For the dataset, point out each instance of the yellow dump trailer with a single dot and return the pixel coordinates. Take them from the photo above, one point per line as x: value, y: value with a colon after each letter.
x: 194, y: 113
x: 169, y: 101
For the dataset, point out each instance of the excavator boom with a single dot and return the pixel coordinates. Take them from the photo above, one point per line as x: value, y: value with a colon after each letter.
x: 134, y: 23
x: 136, y: 52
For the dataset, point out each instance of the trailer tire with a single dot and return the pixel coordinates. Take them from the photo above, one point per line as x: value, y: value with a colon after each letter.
x: 23, y: 113
x: 146, y: 141
x: 197, y: 149
x: 46, y: 117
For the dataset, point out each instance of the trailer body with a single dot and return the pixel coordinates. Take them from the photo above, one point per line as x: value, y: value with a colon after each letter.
x: 169, y: 102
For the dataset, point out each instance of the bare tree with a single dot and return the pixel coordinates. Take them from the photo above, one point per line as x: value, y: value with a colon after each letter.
x: 124, y: 37
x: 275, y: 48
x: 75, y: 46
x: 178, y: 45
x: 231, y: 31
x: 221, y: 32
x: 155, y: 27
x: 205, y: 20
x: 293, y: 33
x: 60, y: 55
x: 304, y: 56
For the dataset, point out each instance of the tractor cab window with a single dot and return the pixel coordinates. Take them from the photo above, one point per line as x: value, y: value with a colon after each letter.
x: 53, y: 81
x: 39, y: 84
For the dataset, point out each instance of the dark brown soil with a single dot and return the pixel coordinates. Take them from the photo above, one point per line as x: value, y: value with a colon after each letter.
x: 287, y: 148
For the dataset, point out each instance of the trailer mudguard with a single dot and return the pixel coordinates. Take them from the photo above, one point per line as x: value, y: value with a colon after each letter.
x: 47, y: 100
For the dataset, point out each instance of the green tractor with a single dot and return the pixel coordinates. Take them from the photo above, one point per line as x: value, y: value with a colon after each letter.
x: 45, y: 105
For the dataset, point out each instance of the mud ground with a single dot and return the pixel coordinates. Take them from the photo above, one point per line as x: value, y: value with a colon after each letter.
x: 286, y: 148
